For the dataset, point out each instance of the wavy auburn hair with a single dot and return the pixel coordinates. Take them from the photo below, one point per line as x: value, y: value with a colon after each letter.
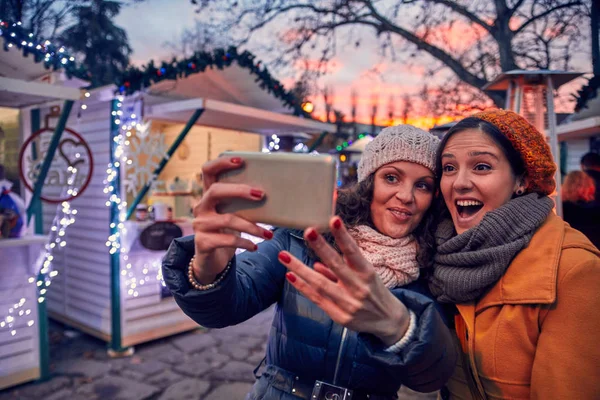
x: 578, y: 187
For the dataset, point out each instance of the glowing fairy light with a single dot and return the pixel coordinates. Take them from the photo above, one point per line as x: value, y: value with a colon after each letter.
x: 63, y: 218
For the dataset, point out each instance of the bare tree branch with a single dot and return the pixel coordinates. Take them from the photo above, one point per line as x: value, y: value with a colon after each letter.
x: 549, y: 34
x: 454, y: 6
x: 516, y: 6
x: 546, y: 13
x: 452, y: 63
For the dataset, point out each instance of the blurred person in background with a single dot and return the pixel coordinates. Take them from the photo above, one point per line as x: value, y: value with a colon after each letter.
x: 579, y: 210
x: 590, y: 164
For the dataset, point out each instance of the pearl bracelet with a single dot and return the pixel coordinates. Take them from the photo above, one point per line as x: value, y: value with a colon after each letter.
x: 196, y: 285
x: 408, y: 336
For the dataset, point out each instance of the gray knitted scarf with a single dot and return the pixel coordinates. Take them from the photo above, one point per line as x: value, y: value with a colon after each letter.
x: 467, y: 265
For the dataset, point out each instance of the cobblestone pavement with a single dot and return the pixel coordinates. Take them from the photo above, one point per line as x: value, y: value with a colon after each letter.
x: 212, y: 364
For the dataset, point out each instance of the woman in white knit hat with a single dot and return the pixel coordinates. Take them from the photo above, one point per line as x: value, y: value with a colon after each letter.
x: 355, y: 325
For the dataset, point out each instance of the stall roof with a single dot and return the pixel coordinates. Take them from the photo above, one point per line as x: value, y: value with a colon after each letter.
x: 13, y: 64
x: 579, y: 129
x: 15, y: 93
x: 227, y: 75
x: 26, y: 79
x: 233, y: 84
x: 359, y: 145
x: 233, y: 116
x: 592, y: 109
x: 559, y: 78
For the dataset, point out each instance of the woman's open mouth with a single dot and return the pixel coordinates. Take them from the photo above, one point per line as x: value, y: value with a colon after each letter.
x: 468, y: 208
x: 401, y: 214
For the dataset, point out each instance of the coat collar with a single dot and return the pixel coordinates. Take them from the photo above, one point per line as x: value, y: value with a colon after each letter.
x: 532, y: 275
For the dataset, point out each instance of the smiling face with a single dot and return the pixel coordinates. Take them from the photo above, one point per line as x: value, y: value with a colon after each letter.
x: 402, y: 194
x: 476, y: 177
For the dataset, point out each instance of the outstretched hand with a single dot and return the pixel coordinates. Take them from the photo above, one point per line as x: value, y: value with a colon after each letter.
x: 216, y: 235
x: 347, y: 286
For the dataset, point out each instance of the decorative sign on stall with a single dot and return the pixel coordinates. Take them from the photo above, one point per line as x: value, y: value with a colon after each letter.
x: 144, y: 151
x: 73, y: 152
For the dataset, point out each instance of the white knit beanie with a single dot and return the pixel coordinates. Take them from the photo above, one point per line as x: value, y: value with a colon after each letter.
x: 398, y: 143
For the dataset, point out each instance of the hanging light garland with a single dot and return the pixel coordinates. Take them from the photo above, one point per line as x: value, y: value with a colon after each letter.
x: 135, y: 79
x: 65, y: 216
x: 128, y: 123
x: 274, y: 143
x: 53, y: 57
x: 112, y: 182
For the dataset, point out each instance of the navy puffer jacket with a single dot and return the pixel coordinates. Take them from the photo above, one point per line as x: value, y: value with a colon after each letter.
x: 303, y: 339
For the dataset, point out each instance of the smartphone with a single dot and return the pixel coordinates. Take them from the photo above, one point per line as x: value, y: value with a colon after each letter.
x: 299, y: 189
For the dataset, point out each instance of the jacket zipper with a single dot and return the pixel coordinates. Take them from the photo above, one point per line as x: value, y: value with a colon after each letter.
x: 339, y: 356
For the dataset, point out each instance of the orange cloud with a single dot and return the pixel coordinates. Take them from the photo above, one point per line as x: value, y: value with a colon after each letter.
x: 423, y: 122
x: 456, y: 35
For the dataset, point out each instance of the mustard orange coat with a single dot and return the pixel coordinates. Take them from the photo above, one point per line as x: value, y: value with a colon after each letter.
x: 536, y: 333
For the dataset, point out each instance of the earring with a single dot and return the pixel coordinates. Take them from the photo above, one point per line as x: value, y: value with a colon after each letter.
x: 519, y: 192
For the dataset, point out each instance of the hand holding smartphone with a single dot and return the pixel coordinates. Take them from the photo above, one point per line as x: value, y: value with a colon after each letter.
x: 243, y: 189
x: 299, y: 189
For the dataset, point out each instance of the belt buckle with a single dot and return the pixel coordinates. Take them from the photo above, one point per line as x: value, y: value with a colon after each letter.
x: 325, y: 391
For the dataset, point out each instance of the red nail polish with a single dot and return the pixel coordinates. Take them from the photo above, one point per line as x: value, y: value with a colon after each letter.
x: 255, y: 247
x: 337, y: 224
x: 284, y: 258
x: 256, y: 193
x: 312, y: 235
x: 291, y: 277
x: 268, y: 234
x: 236, y: 160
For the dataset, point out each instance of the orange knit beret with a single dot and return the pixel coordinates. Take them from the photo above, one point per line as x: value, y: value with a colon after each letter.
x: 530, y: 144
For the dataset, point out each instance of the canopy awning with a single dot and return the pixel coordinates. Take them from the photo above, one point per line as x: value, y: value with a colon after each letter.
x: 16, y: 93
x: 234, y: 116
x: 13, y: 64
x: 232, y: 84
x: 579, y: 129
x: 559, y: 78
x: 359, y: 145
x: 24, y: 82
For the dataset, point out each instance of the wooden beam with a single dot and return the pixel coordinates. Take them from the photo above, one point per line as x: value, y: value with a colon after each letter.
x: 164, y: 161
x: 250, y: 112
x: 52, y: 147
x: 39, y: 89
x: 175, y: 106
x: 300, y: 124
x: 578, y: 129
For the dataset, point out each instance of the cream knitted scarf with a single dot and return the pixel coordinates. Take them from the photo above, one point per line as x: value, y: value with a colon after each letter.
x: 395, y: 260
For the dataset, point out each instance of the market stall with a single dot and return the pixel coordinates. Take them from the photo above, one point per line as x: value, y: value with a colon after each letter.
x: 25, y: 83
x: 149, y: 142
x: 20, y: 352
x: 580, y: 134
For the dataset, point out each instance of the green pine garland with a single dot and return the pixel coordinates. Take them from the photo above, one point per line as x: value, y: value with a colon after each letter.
x: 135, y: 79
x: 53, y: 57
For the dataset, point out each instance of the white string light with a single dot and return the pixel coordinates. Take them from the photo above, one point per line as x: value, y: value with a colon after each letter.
x: 274, y: 143
x: 65, y: 216
x: 115, y: 241
x: 110, y: 183
x: 46, y: 48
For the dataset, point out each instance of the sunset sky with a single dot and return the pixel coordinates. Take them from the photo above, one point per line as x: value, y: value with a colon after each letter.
x: 154, y: 22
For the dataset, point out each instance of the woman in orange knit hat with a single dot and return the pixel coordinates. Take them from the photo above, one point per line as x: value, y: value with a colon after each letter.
x: 524, y: 285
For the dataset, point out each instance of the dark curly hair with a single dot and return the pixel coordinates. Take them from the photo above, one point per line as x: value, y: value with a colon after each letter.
x: 353, y: 206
